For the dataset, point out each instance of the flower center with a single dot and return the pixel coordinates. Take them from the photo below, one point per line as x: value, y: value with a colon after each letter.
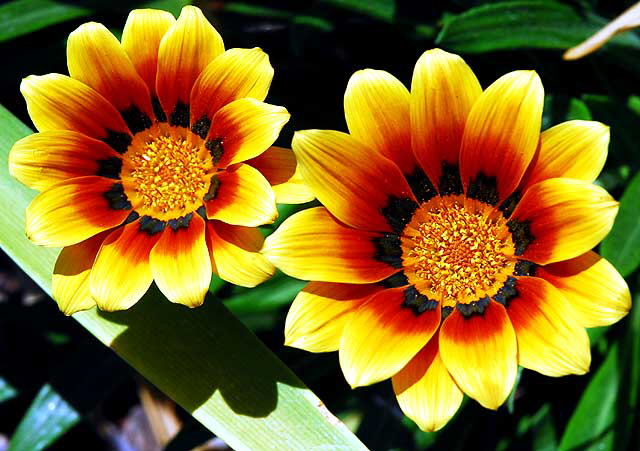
x: 166, y: 172
x: 457, y: 250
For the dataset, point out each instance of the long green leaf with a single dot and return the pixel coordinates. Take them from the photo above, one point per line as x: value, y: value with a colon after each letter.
x: 520, y: 24
x: 20, y: 17
x: 622, y: 246
x: 203, y: 358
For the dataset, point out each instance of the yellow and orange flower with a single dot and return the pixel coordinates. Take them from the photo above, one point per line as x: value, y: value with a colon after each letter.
x: 455, y: 239
x: 154, y: 162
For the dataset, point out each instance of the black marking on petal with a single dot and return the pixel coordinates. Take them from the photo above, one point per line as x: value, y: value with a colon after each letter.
x: 398, y: 212
x: 161, y: 116
x: 180, y: 115
x: 420, y: 184
x: 119, y: 141
x: 151, y: 225
x: 485, y: 189
x: 388, y: 249
x: 446, y: 311
x: 510, y: 204
x: 508, y: 292
x: 213, y: 189
x: 117, y: 198
x: 474, y: 307
x: 136, y: 119
x: 201, y: 127
x: 450, y: 182
x: 521, y: 234
x: 202, y: 212
x: 525, y: 268
x: 180, y: 223
x: 417, y: 301
x: 216, y: 149
x: 399, y: 279
x: 109, y: 167
x: 132, y: 217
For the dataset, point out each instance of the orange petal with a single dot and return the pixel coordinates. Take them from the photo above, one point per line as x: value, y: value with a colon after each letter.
x: 443, y: 90
x: 235, y: 252
x: 71, y: 212
x: 563, y: 218
x: 96, y: 58
x: 426, y: 391
x: 235, y: 74
x: 501, y: 135
x: 280, y: 168
x: 180, y: 263
x: 376, y: 107
x: 185, y: 50
x: 70, y: 284
x: 58, y: 102
x: 43, y: 159
x: 318, y: 314
x: 141, y: 39
x: 594, y: 288
x: 312, y: 245
x: 121, y: 274
x: 243, y: 197
x: 243, y: 129
x: 574, y: 149
x: 382, y: 336
x: 356, y: 184
x: 550, y: 340
x: 480, y: 353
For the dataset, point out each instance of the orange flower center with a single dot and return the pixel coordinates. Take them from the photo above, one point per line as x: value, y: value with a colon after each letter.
x: 166, y: 172
x: 458, y: 250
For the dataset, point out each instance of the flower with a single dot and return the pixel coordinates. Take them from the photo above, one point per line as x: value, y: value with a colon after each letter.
x: 455, y: 238
x: 154, y: 163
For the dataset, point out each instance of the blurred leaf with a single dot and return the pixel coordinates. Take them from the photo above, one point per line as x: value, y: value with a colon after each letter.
x: 379, y: 9
x: 591, y: 425
x: 622, y: 246
x: 521, y: 24
x: 173, y: 6
x: 271, y: 295
x: 578, y: 110
x: 20, y: 17
x: 203, y: 358
x: 6, y: 390
x: 48, y: 417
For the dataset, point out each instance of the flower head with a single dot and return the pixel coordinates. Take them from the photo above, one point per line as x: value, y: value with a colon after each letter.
x: 455, y: 239
x: 154, y: 163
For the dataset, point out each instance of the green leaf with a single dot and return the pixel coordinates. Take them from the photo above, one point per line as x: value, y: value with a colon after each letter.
x: 521, y: 24
x: 20, y: 17
x: 379, y: 9
x: 203, y: 358
x: 48, y: 417
x: 622, y: 246
x: 6, y: 390
x: 271, y: 295
x: 590, y: 428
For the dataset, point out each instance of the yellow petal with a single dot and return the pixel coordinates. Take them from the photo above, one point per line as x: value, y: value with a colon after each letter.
x: 443, y: 90
x: 312, y: 245
x: 235, y: 252
x: 594, y: 288
x: 243, y: 197
x: 426, y: 391
x: 318, y: 314
x: 376, y: 107
x: 565, y: 218
x: 574, y: 149
x: 550, y: 340
x: 502, y: 133
x: 480, y: 353
x: 180, y: 263
x: 382, y: 336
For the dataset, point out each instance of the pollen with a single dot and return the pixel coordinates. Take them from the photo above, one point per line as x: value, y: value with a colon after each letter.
x: 458, y: 250
x: 167, y: 172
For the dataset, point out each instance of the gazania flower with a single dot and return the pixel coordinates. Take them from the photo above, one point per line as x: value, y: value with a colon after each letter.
x: 455, y: 239
x: 152, y: 161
